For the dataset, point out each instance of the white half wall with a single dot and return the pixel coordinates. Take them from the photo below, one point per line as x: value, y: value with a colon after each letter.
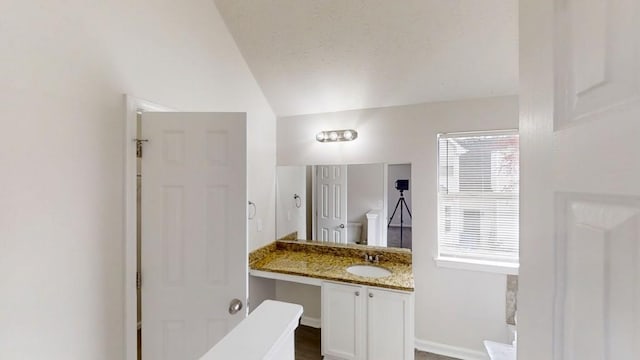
x: 64, y: 68
x: 457, y: 308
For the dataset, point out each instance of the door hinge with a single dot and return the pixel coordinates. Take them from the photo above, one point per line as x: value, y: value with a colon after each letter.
x: 138, y: 280
x: 139, y: 147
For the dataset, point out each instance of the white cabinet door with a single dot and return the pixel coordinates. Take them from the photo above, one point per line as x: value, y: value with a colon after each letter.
x: 194, y: 230
x: 343, y: 321
x: 389, y: 325
x: 331, y: 203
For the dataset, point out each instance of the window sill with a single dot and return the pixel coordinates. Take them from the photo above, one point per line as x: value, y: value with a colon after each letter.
x: 477, y: 265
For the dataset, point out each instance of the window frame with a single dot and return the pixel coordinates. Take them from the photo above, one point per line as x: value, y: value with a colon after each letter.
x: 464, y: 263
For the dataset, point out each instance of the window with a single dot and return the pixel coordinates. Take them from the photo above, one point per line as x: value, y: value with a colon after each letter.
x: 478, y: 198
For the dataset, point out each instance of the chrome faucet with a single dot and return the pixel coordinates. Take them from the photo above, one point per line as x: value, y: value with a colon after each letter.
x: 371, y: 258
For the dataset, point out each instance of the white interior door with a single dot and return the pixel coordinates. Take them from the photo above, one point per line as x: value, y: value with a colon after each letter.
x: 194, y: 232
x: 331, y: 203
x: 579, y: 295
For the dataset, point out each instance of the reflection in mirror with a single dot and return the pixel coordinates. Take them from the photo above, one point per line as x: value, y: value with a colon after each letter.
x: 359, y: 204
x: 399, y: 229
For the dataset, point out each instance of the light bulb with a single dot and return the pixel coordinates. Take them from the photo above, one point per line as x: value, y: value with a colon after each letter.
x: 333, y: 136
x: 347, y: 135
x: 321, y: 136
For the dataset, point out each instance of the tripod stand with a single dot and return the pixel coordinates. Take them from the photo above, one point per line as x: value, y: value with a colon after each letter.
x: 402, y: 204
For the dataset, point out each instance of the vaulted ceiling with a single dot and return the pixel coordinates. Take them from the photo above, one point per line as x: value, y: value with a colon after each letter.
x: 312, y: 56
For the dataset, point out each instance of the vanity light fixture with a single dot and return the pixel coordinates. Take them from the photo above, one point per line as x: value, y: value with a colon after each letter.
x: 337, y: 135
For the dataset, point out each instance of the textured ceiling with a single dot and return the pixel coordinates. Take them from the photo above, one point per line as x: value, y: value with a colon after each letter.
x: 312, y: 56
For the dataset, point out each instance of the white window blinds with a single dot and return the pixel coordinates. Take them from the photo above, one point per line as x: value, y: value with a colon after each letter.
x: 478, y: 196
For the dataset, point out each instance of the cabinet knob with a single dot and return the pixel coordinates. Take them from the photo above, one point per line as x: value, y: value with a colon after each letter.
x: 357, y: 293
x: 370, y: 295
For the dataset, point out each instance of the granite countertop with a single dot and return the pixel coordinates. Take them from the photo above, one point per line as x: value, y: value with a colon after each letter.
x: 330, y: 261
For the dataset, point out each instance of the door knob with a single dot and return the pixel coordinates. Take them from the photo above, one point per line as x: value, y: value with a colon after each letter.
x: 341, y: 226
x: 234, y: 306
x: 370, y: 295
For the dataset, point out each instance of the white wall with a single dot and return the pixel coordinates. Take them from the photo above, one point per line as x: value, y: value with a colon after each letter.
x: 453, y: 307
x: 395, y: 172
x: 308, y: 295
x: 64, y: 69
x: 291, y: 180
x: 365, y: 190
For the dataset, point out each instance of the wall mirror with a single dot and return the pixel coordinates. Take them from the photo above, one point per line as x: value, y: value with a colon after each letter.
x: 367, y: 204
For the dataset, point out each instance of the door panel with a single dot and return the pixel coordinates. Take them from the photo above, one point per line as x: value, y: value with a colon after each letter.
x: 580, y: 171
x: 332, y: 203
x: 599, y: 286
x: 598, y: 237
x: 598, y: 47
x: 194, y: 234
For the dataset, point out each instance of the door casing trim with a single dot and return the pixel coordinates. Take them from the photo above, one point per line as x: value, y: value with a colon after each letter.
x: 131, y: 108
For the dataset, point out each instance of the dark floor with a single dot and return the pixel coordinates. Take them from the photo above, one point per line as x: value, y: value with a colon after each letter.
x: 308, y: 346
x: 308, y: 343
x: 393, y: 237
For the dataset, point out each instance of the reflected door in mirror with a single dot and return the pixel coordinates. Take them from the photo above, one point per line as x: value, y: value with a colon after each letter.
x: 332, y: 203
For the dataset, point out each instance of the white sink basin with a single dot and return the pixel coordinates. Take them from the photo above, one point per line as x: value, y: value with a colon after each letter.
x: 370, y: 271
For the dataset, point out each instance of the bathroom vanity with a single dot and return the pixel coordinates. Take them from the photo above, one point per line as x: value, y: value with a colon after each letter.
x: 365, y: 322
x: 367, y: 294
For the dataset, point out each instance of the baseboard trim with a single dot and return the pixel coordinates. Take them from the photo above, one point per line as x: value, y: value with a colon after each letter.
x: 311, y: 322
x: 451, y: 351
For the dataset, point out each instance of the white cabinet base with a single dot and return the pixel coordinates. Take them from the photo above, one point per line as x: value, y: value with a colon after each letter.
x: 366, y: 323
